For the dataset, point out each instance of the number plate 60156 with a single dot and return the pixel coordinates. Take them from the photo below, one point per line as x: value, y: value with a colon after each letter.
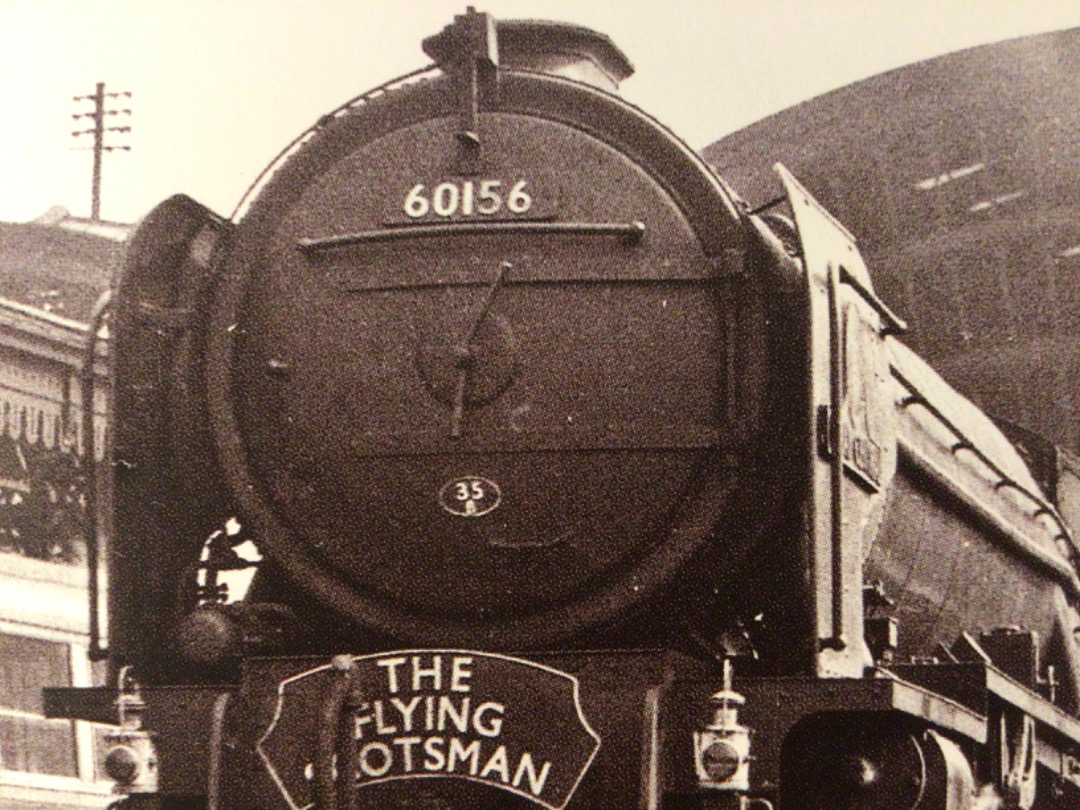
x: 468, y: 198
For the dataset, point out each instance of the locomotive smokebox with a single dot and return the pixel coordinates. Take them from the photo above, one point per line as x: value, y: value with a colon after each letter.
x: 540, y: 46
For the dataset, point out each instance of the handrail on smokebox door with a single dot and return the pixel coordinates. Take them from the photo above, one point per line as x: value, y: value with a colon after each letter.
x: 630, y: 232
x: 86, y: 451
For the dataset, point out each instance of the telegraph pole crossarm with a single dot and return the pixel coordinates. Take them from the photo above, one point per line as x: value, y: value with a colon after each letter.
x: 98, y: 130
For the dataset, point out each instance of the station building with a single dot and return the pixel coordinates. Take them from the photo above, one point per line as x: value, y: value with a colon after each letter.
x: 51, y: 273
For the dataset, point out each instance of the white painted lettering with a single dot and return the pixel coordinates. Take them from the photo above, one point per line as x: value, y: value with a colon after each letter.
x: 384, y: 759
x: 459, y: 717
x: 526, y: 767
x: 361, y: 720
x: 406, y: 745
x: 434, y: 758
x: 459, y: 674
x: 391, y: 665
x: 497, y: 764
x: 423, y: 721
x: 429, y: 713
x: 461, y: 753
x: 434, y: 673
x: 406, y: 711
x: 380, y: 726
x: 493, y: 726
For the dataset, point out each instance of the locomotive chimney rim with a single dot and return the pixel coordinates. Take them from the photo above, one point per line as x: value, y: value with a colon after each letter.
x: 562, y: 49
x: 543, y: 46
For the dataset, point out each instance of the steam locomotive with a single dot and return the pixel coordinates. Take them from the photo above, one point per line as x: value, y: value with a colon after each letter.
x: 561, y: 478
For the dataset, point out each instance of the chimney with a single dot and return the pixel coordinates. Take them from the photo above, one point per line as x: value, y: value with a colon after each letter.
x: 478, y: 44
x: 562, y: 49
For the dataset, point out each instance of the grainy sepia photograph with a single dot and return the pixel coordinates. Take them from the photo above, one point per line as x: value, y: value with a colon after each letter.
x: 581, y: 405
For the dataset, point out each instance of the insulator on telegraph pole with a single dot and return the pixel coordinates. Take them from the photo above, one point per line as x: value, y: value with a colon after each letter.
x: 98, y: 130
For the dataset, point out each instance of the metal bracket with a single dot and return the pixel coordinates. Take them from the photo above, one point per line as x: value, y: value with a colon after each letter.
x: 1018, y: 760
x: 467, y: 50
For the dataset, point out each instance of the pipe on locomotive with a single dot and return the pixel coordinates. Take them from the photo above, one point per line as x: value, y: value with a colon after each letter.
x: 96, y: 651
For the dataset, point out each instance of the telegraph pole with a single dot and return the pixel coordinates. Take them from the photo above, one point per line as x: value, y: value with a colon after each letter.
x: 98, y: 130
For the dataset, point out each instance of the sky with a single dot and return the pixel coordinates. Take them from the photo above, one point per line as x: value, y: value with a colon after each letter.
x: 218, y: 88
